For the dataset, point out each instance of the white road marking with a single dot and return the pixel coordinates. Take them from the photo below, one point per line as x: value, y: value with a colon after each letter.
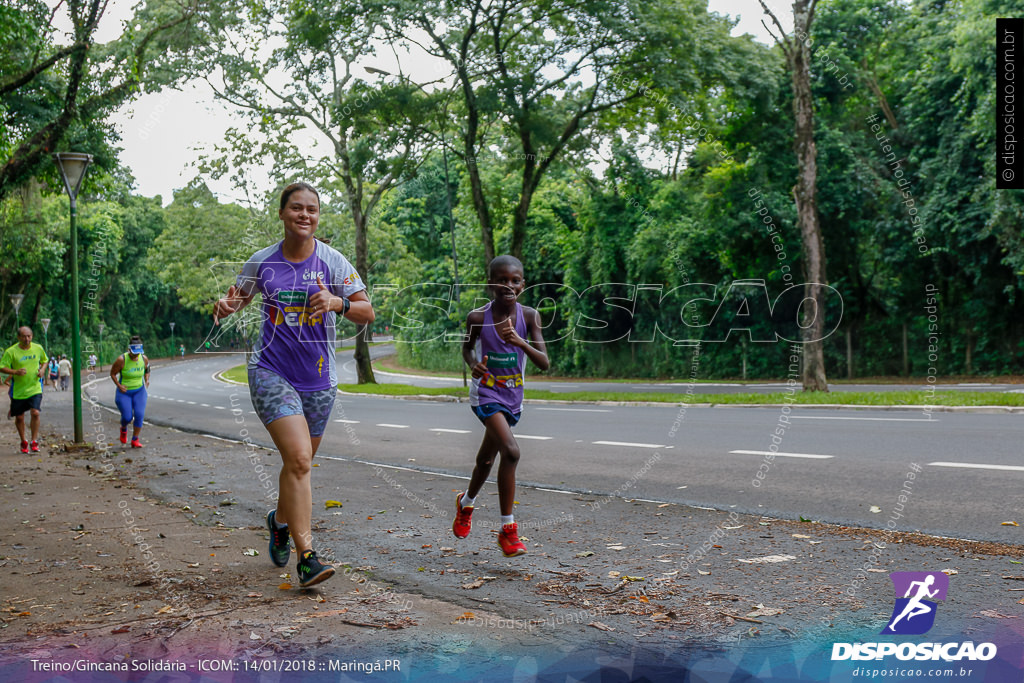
x: 628, y: 444
x: 786, y: 455
x: 576, y: 410
x: 191, y: 403
x: 450, y: 431
x: 220, y: 407
x: 385, y: 424
x: 536, y: 438
x: 205, y: 405
x: 876, y: 419
x: 348, y: 422
x: 971, y: 465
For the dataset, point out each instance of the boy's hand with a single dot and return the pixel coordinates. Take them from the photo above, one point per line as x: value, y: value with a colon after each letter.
x: 480, y: 369
x: 507, y: 332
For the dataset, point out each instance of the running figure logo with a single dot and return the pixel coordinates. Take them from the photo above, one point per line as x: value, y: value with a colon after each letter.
x: 914, y: 613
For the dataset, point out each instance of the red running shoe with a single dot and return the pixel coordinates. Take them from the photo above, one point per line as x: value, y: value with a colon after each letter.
x: 463, y: 518
x: 124, y: 435
x: 24, y: 446
x: 35, y: 446
x: 508, y: 539
x: 136, y: 443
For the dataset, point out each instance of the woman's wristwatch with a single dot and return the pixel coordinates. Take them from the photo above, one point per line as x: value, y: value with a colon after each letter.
x: 345, y: 305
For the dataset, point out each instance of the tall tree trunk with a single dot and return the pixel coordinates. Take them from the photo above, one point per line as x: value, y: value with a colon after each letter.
x: 364, y: 369
x: 906, y: 352
x: 805, y: 195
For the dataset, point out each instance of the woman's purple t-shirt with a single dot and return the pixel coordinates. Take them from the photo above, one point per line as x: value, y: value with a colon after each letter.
x: 293, y: 345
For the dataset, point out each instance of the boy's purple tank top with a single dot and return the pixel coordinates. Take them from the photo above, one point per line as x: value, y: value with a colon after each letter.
x: 505, y: 363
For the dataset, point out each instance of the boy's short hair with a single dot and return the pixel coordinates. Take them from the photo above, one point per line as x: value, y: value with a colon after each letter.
x: 506, y: 260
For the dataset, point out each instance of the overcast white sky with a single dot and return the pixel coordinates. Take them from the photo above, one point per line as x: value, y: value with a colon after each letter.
x: 164, y: 133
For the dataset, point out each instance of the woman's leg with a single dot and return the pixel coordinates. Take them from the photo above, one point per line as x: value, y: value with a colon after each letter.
x: 124, y: 404
x: 138, y: 410
x: 295, y: 496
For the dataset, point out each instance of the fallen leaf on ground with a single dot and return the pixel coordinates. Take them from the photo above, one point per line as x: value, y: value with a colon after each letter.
x: 479, y: 582
x: 763, y: 611
x: 949, y: 572
x: 599, y: 626
x: 767, y: 559
x: 253, y: 636
x: 996, y: 615
x: 616, y: 547
x: 633, y: 578
x: 251, y: 552
x: 254, y: 595
x: 1010, y: 524
x: 800, y: 536
x: 874, y: 509
x: 663, y: 616
x: 585, y: 553
x: 664, y: 505
x: 121, y: 629
x: 332, y: 504
x: 164, y: 610
x: 703, y: 573
x: 285, y: 586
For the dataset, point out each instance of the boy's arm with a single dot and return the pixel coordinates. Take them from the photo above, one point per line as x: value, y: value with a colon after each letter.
x: 473, y: 322
x: 538, y: 351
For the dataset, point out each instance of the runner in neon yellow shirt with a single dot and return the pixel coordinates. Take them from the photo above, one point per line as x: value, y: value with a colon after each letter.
x: 26, y: 363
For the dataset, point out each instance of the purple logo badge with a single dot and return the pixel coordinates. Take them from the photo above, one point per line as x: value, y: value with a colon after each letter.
x: 916, y: 596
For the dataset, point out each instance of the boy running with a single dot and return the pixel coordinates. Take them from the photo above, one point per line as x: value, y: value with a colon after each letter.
x: 26, y: 362
x: 498, y: 335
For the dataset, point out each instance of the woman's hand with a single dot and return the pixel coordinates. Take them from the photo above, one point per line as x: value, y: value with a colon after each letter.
x: 323, y: 301
x: 227, y: 305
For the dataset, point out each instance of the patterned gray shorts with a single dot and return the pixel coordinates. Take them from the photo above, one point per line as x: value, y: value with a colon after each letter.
x: 273, y: 398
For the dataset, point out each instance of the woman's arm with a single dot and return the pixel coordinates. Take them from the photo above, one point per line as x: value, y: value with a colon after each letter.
x: 115, y: 371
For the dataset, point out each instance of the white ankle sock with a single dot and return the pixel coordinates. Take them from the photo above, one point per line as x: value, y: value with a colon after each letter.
x: 466, y: 501
x: 507, y: 519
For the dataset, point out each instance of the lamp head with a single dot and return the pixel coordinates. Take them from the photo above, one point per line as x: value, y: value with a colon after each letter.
x: 72, y: 169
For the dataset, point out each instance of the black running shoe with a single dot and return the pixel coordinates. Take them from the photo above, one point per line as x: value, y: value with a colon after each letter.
x: 312, y: 571
x: 280, y: 551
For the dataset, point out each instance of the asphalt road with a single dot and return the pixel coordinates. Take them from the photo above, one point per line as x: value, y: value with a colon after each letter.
x: 832, y: 465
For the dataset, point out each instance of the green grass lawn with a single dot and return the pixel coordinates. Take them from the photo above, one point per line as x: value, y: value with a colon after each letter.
x: 865, y: 398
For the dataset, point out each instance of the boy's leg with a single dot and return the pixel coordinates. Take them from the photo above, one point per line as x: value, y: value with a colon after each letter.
x: 484, y: 459
x: 501, y: 434
x: 34, y: 424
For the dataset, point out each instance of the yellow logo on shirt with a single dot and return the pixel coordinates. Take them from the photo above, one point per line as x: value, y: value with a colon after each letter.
x: 320, y: 366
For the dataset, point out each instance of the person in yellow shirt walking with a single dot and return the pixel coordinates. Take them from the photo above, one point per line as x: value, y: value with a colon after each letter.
x: 26, y: 363
x: 130, y: 373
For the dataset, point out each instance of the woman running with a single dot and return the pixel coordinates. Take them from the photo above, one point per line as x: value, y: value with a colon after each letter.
x: 130, y: 373
x: 292, y: 375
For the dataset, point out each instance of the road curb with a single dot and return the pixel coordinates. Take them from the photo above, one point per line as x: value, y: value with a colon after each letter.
x: 989, y: 410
